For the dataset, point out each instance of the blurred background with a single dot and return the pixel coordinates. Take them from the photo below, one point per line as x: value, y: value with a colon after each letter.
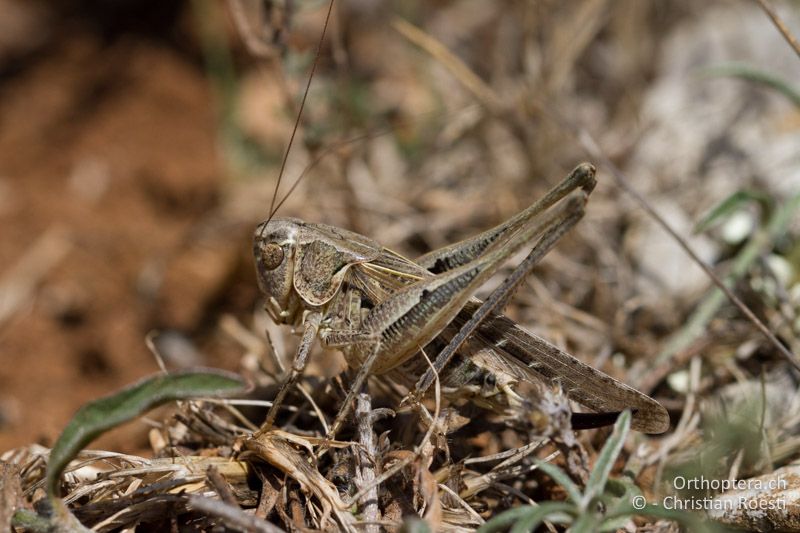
x: 140, y: 144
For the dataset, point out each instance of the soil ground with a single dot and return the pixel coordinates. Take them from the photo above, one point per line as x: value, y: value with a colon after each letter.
x: 140, y: 143
x: 108, y: 140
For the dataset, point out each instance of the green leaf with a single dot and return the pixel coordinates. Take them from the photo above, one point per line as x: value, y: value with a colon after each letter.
x: 526, y: 517
x: 750, y: 73
x: 414, y: 524
x: 531, y: 521
x: 728, y: 206
x: 586, y: 523
x: 615, y: 523
x: 621, y: 489
x: 95, y: 418
x: 30, y: 521
x: 692, y: 522
x: 618, y: 495
x: 605, y: 461
x: 506, y: 518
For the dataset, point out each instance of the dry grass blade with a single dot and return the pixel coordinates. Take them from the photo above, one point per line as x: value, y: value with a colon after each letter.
x: 768, y: 8
x: 10, y: 493
x: 233, y: 516
x: 118, y: 491
x: 367, y: 459
x: 221, y: 485
x: 290, y: 454
x: 594, y: 149
x: 455, y: 119
x: 486, y: 95
x: 461, y: 71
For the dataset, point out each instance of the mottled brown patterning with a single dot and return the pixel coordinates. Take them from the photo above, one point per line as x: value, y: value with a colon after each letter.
x: 380, y: 309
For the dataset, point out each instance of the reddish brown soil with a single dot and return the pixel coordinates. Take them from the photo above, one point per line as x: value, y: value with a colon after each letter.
x: 139, y: 114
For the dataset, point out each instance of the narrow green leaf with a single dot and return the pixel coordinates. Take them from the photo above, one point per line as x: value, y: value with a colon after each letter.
x: 618, y: 495
x: 95, y: 418
x: 58, y: 520
x: 691, y: 521
x: 531, y: 521
x: 613, y: 524
x: 750, y: 73
x: 30, y: 521
x: 728, y: 206
x: 760, y: 243
x: 605, y: 461
x: 621, y: 489
x: 526, y: 517
x: 414, y: 524
x: 586, y: 523
x: 506, y: 518
x: 560, y: 477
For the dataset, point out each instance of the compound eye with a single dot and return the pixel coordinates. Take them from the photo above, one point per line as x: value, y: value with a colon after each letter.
x: 272, y: 256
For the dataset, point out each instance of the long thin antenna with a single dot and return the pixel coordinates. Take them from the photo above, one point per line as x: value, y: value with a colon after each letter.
x: 300, y: 111
x: 328, y: 150
x: 371, y: 134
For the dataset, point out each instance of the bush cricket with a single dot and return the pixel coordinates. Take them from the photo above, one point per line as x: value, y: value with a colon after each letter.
x: 381, y: 310
x: 387, y: 313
